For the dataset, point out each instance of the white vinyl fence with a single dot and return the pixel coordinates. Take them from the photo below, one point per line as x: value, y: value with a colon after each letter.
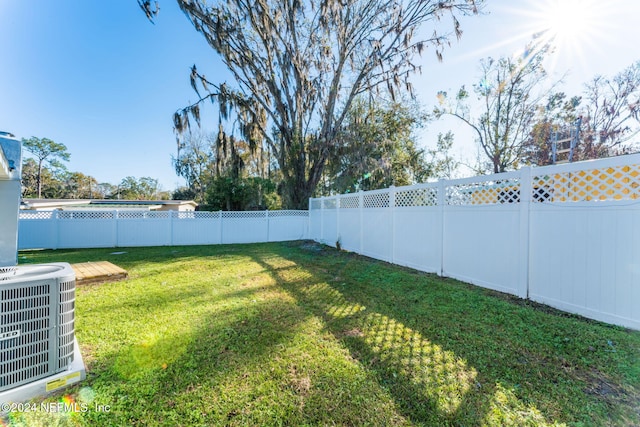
x: 112, y: 228
x: 565, y: 235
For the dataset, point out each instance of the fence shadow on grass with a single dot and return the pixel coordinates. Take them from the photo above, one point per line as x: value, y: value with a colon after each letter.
x: 432, y: 383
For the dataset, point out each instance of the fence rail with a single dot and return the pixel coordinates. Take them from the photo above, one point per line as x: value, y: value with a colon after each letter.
x: 113, y: 228
x: 565, y: 235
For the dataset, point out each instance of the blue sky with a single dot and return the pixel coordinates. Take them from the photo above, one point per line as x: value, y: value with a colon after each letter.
x: 99, y: 78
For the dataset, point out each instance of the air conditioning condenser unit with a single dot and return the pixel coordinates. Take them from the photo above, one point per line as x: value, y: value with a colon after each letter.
x: 38, y: 350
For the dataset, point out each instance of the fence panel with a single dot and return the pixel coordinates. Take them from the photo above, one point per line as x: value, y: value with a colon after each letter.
x: 37, y: 230
x: 244, y: 227
x: 87, y: 229
x: 586, y: 260
x: 329, y: 226
x: 144, y: 228
x: 417, y: 238
x: 349, y: 222
x: 565, y: 235
x: 287, y: 225
x: 195, y: 228
x: 418, y: 228
x: 84, y: 229
x: 481, y: 246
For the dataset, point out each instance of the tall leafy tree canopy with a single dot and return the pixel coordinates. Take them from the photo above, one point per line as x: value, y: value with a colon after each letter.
x: 376, y: 148
x: 46, y: 151
x: 299, y: 65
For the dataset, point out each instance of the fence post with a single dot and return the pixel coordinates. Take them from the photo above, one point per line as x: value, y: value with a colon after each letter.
x: 170, y: 228
x: 115, y: 228
x: 361, y: 205
x: 221, y: 227
x: 392, y: 208
x: 56, y: 224
x: 442, y: 200
x: 321, y: 220
x: 266, y: 214
x: 525, y: 205
x: 338, y: 198
x: 308, y: 233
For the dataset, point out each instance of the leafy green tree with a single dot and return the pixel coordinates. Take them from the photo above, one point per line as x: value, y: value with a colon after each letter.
x: 77, y: 185
x: 376, y: 148
x: 298, y: 66
x: 241, y: 194
x: 195, y: 162
x: 105, y: 190
x: 46, y: 152
x: 131, y: 188
x: 183, y: 193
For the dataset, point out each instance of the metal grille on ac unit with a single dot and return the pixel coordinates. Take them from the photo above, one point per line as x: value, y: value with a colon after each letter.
x: 36, y: 323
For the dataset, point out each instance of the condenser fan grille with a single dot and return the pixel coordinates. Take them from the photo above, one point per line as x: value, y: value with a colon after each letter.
x: 25, y: 312
x: 65, y: 323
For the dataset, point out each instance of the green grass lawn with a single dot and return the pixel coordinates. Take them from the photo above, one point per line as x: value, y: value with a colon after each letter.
x: 301, y: 334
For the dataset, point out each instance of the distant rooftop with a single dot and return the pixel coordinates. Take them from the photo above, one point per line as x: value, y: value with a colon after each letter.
x: 71, y: 204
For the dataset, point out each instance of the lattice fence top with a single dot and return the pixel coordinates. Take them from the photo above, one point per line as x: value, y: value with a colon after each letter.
x: 243, y: 214
x: 484, y: 192
x: 143, y: 215
x: 36, y: 214
x: 287, y: 214
x: 598, y: 184
x: 417, y: 197
x: 316, y: 204
x: 349, y: 202
x: 196, y: 215
x: 85, y: 214
x: 376, y: 200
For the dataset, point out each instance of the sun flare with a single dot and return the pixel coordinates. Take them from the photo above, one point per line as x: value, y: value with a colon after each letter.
x: 570, y: 22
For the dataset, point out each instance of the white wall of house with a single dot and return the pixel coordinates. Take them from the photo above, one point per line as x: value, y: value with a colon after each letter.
x: 10, y: 170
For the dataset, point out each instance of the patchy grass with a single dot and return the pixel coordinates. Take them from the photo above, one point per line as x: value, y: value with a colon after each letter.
x: 300, y: 334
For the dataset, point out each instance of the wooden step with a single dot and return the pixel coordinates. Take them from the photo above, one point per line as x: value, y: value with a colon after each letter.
x: 99, y: 271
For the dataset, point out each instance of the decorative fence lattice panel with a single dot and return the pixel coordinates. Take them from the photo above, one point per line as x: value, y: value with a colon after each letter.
x: 601, y: 184
x: 196, y: 215
x: 36, y: 215
x: 286, y: 214
x: 417, y: 197
x: 349, y: 202
x: 86, y: 215
x: 143, y: 215
x: 244, y: 215
x: 484, y: 193
x: 376, y: 200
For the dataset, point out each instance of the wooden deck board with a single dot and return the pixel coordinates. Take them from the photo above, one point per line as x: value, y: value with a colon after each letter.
x: 100, y: 271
